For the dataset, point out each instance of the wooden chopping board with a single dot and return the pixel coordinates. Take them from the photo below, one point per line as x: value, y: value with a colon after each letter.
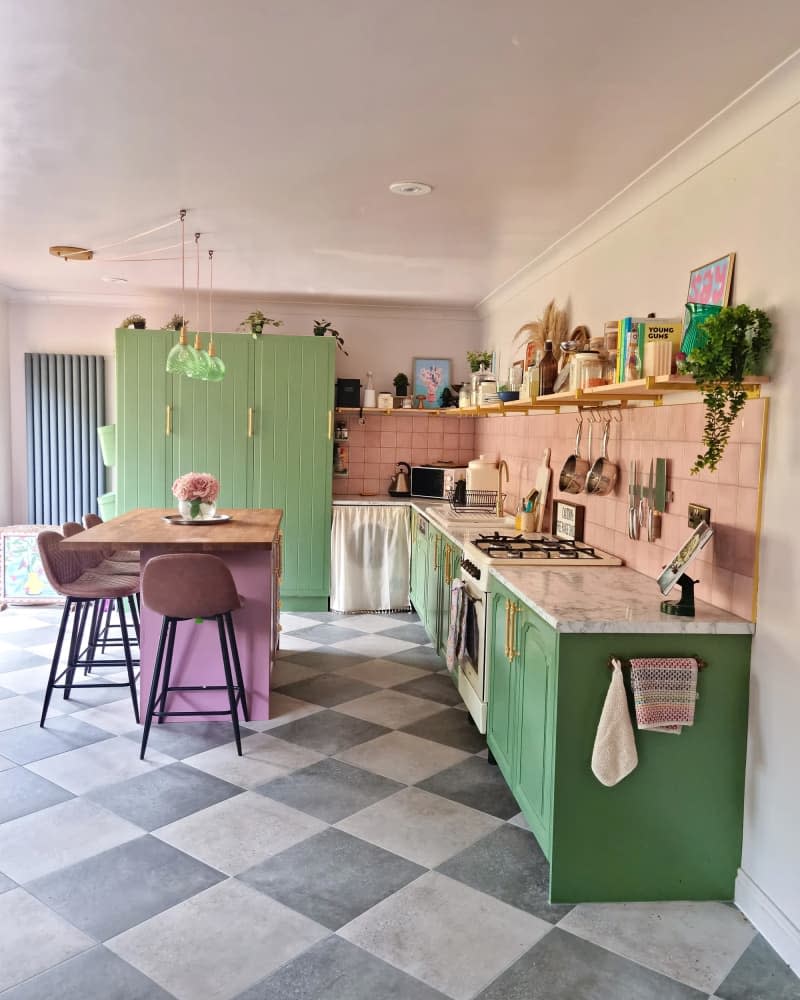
x: 542, y: 487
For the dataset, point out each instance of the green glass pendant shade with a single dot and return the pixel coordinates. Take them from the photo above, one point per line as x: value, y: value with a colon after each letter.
x: 216, y: 369
x: 199, y: 367
x: 182, y: 357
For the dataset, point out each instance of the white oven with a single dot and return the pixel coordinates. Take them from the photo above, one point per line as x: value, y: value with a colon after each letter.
x: 472, y: 665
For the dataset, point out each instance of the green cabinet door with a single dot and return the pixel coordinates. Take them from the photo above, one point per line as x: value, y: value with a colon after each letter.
x: 502, y: 735
x: 210, y: 422
x: 448, y: 571
x: 536, y: 683
x: 432, y: 583
x: 144, y: 419
x: 292, y: 457
x: 419, y: 563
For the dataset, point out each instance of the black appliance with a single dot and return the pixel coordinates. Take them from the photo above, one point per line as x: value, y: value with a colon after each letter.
x: 348, y: 392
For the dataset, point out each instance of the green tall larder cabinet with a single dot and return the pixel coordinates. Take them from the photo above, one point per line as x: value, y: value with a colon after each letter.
x: 264, y: 431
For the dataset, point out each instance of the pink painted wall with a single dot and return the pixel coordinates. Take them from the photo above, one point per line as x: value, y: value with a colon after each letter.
x: 725, y: 568
x: 383, y: 440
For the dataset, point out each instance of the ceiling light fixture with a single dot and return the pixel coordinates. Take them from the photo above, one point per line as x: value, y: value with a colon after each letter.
x: 182, y: 358
x: 411, y: 189
x: 216, y: 366
x: 198, y: 370
x: 71, y: 253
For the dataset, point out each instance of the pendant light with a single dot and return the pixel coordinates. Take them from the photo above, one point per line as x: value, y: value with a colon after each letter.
x: 216, y: 366
x: 199, y: 368
x: 182, y: 357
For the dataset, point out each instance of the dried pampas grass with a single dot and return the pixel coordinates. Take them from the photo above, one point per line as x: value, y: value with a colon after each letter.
x: 552, y: 326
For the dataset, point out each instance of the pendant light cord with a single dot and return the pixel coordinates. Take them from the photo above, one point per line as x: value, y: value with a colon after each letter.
x: 183, y: 265
x: 210, y: 297
x: 197, y: 284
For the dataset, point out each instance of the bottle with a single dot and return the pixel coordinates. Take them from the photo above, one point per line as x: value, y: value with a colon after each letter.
x: 548, y: 368
x: 369, y: 393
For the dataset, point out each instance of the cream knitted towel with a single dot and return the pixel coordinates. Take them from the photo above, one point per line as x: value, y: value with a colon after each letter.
x: 614, y: 755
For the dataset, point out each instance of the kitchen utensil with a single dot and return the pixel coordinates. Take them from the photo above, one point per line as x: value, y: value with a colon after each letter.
x: 633, y: 498
x: 574, y: 470
x: 603, y: 474
x: 660, y: 500
x: 653, y: 516
x: 400, y: 486
x: 542, y: 488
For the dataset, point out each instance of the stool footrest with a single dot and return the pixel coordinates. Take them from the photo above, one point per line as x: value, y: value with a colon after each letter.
x: 164, y: 715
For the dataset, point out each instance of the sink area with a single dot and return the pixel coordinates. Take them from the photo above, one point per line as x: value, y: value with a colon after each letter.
x: 447, y: 516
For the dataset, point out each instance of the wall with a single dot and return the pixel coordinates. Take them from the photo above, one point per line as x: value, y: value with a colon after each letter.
x: 380, y: 338
x: 377, y: 445
x: 5, y: 414
x: 733, y: 187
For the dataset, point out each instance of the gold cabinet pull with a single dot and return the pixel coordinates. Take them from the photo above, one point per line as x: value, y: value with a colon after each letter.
x: 168, y: 421
x: 508, y: 629
x: 436, y: 553
x: 513, y: 631
x: 250, y: 414
x: 330, y: 424
x: 448, y: 573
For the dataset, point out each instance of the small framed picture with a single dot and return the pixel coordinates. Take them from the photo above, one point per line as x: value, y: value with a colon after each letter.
x: 431, y: 377
x: 710, y: 284
x: 568, y: 520
x: 530, y: 352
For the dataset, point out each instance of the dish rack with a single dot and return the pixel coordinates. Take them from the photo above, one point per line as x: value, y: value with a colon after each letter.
x: 472, y: 500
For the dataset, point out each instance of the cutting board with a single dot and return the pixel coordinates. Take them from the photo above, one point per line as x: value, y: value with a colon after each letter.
x: 542, y: 486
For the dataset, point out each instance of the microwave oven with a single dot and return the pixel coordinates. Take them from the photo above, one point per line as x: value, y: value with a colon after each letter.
x: 434, y: 481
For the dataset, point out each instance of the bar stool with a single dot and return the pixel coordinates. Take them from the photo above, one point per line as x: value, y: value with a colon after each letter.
x: 120, y: 555
x: 182, y: 587
x: 84, y: 589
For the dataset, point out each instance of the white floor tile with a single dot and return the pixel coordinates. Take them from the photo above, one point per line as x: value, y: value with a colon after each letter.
x: 284, y: 709
x: 11, y: 622
x: 292, y: 643
x: 27, y: 680
x: 6, y: 765
x: 81, y: 770
x: 368, y: 623
x: 21, y: 711
x: 291, y: 622
x: 263, y: 758
x: 382, y: 673
x: 374, y: 646
x: 114, y: 716
x: 392, y: 709
x: 403, y: 757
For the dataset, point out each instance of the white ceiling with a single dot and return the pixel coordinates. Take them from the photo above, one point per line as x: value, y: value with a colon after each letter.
x: 280, y: 124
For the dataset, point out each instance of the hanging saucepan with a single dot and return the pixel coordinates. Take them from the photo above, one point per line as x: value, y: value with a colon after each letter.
x: 574, y: 470
x: 603, y: 474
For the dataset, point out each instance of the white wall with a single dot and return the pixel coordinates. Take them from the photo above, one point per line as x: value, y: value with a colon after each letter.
x: 5, y: 414
x: 735, y: 187
x: 381, y: 338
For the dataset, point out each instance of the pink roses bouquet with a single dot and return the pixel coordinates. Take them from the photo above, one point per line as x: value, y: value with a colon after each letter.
x: 196, y: 488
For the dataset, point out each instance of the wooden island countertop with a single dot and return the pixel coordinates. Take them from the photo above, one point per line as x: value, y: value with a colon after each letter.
x: 247, y: 529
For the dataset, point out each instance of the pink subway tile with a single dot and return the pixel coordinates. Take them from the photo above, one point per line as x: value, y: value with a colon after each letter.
x: 451, y: 441
x: 729, y: 466
x: 357, y: 453
x: 372, y: 486
x: 404, y: 439
x: 722, y: 588
x: 742, y: 596
x: 751, y: 421
x: 373, y: 439
x: 725, y: 505
x: 749, y: 464
x: 746, y: 508
x: 372, y: 454
x: 388, y: 454
x: 419, y: 455
x: 388, y: 439
x: 745, y: 551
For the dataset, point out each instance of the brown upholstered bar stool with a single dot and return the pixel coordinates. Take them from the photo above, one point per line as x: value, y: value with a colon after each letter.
x: 182, y: 587
x: 84, y: 589
x: 119, y: 555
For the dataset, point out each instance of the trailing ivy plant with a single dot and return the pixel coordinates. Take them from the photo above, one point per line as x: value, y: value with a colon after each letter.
x: 733, y: 345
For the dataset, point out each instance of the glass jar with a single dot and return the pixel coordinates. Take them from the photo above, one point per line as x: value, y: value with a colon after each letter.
x: 478, y: 378
x: 464, y: 396
x: 587, y: 370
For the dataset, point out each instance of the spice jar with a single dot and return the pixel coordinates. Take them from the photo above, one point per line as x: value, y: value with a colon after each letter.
x: 587, y: 370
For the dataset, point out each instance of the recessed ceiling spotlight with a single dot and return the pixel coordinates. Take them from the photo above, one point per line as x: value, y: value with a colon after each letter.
x: 412, y: 189
x: 113, y: 279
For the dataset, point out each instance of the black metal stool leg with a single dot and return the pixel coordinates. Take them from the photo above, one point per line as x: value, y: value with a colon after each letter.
x: 151, y: 701
x: 223, y: 645
x: 128, y: 658
x: 108, y: 608
x: 162, y: 707
x: 56, y: 657
x: 135, y: 617
x: 81, y: 610
x: 237, y: 667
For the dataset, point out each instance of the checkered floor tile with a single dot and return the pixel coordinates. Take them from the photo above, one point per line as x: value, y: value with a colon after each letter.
x: 361, y: 848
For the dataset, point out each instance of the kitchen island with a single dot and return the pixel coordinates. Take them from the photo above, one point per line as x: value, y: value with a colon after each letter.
x: 249, y: 544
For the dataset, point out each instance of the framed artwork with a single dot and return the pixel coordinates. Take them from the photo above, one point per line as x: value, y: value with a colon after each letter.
x: 22, y: 578
x: 710, y: 284
x: 530, y: 352
x: 431, y: 376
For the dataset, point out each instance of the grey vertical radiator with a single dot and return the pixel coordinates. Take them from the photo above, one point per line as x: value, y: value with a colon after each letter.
x: 65, y: 404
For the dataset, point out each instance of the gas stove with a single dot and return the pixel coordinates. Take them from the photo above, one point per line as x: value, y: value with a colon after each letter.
x: 542, y: 551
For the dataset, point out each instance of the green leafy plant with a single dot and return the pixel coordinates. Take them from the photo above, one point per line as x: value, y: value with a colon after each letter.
x: 478, y: 358
x: 175, y: 323
x: 400, y: 382
x: 323, y: 326
x: 732, y: 345
x: 256, y: 321
x: 135, y: 320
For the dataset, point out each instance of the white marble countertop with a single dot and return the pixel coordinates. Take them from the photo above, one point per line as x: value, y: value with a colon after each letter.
x: 611, y: 599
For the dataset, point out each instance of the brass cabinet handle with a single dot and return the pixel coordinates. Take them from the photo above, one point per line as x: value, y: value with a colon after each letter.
x: 508, y: 629
x: 168, y: 421
x: 250, y: 413
x: 330, y: 424
x: 448, y: 573
x: 513, y: 637
x: 436, y: 553
x: 279, y: 548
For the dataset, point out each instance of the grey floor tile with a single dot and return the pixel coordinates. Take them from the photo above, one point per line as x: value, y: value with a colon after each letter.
x: 288, y: 672
x: 436, y: 687
x: 33, y: 938
x: 327, y: 633
x: 163, y: 795
x: 94, y: 975
x: 476, y: 783
x: 21, y: 659
x: 6, y: 883
x: 561, y: 966
x: 450, y: 727
x: 26, y: 744
x: 411, y: 633
x: 451, y: 937
x: 32, y: 636
x: 332, y: 877
x: 326, y: 658
x: 329, y: 789
x: 105, y: 895
x: 22, y: 792
x: 424, y: 657
x: 382, y: 673
x: 336, y: 970
x: 183, y: 739
x: 760, y: 974
x: 403, y: 757
x: 328, y: 732
x: 327, y: 689
x: 4, y: 693
x: 218, y: 943
x: 509, y: 865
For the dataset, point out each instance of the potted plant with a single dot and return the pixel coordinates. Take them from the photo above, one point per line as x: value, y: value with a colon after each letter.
x: 478, y: 358
x: 732, y: 345
x: 400, y: 382
x: 256, y: 321
x: 323, y: 326
x: 134, y: 320
x: 176, y: 323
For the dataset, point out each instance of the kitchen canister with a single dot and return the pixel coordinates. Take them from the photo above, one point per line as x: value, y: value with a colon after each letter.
x: 481, y: 474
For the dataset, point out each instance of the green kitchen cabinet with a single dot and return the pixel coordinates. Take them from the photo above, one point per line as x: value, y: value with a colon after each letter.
x: 418, y: 592
x: 432, y: 578
x: 264, y: 431
x: 449, y: 565
x: 672, y: 829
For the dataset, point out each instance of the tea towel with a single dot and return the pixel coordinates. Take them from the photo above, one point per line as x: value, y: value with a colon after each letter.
x: 455, y: 634
x: 664, y: 692
x: 614, y: 755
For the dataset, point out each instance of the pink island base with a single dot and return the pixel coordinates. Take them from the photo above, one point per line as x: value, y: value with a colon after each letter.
x: 247, y: 545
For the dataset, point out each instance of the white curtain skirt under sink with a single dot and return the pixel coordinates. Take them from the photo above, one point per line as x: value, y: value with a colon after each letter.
x: 370, y: 558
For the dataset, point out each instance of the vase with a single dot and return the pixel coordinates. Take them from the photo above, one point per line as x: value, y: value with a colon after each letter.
x: 205, y: 511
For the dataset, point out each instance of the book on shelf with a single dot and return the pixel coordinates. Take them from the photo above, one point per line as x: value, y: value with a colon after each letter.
x: 634, y: 334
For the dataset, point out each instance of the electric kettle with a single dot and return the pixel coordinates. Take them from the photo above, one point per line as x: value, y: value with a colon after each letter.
x: 400, y: 485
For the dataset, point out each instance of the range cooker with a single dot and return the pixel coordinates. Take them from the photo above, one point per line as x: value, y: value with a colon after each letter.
x: 510, y: 549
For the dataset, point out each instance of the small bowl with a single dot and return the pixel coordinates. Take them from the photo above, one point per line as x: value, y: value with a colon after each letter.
x: 507, y: 396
